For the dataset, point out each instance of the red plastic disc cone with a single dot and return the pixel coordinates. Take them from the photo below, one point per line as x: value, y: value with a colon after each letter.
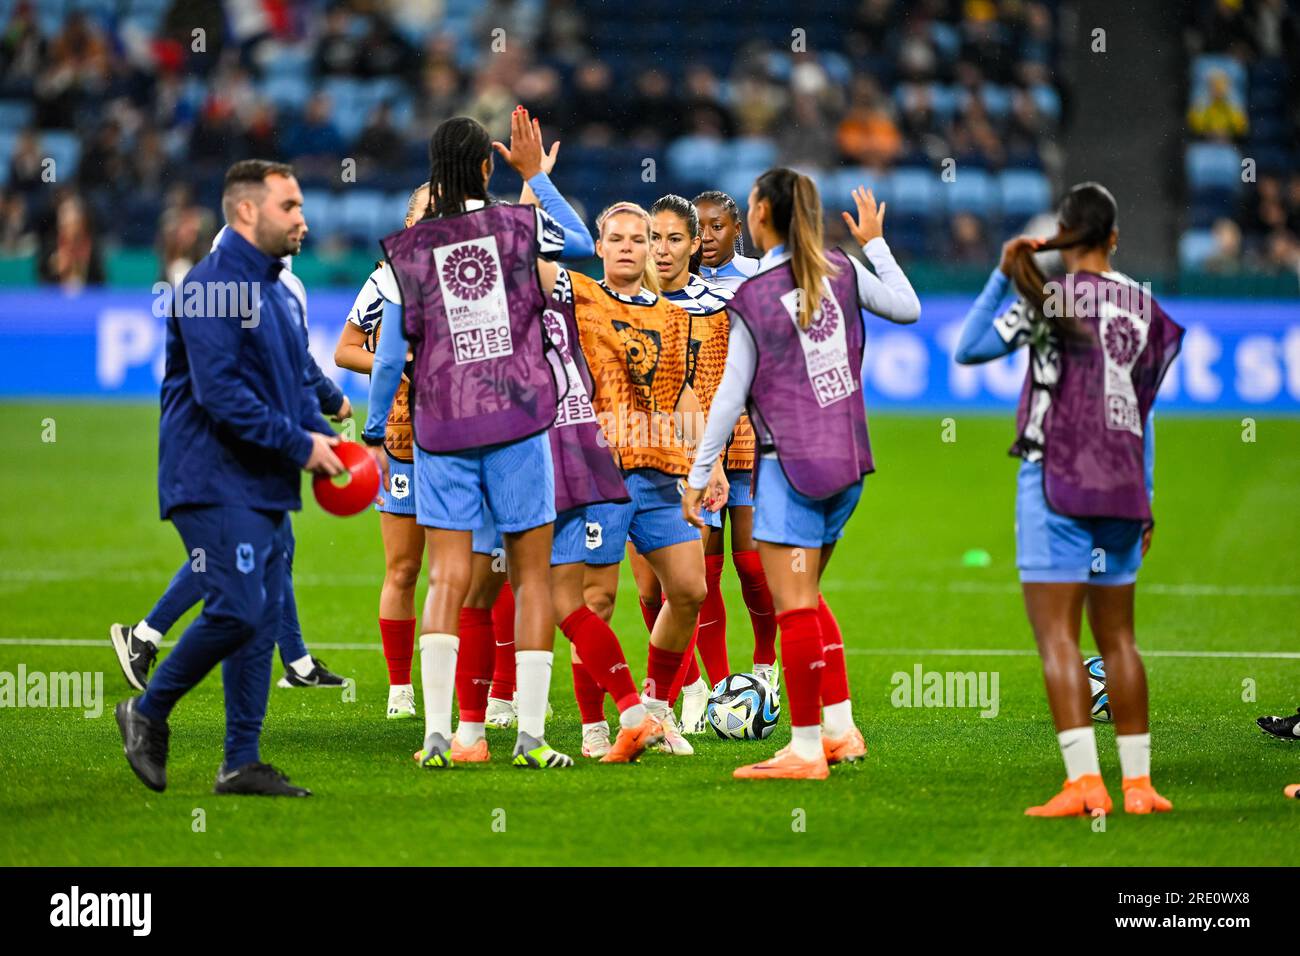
x: 351, y: 492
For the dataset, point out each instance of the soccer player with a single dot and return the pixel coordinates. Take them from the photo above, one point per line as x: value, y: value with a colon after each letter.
x: 474, y: 277
x: 637, y: 345
x: 402, y: 536
x: 795, y: 357
x: 1099, y: 347
x: 675, y: 241
x: 136, y: 645
x: 238, y: 423
x: 722, y: 263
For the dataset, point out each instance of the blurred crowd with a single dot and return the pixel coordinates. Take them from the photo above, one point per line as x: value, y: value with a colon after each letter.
x: 1244, y: 147
x: 149, y: 117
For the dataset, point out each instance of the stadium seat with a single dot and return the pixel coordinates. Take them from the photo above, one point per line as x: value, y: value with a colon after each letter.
x: 696, y: 159
x: 915, y: 190
x: 322, y: 212
x: 973, y: 191
x: 15, y: 114
x: 1194, y: 247
x: 1207, y: 63
x: 1048, y: 101
x: 750, y: 151
x: 363, y: 214
x: 1024, y: 193
x: 290, y: 90
x: 840, y: 188
x: 64, y: 147
x: 1213, y: 165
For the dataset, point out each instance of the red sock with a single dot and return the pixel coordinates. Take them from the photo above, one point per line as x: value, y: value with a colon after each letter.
x: 398, y: 638
x: 753, y: 588
x: 835, y: 678
x: 688, y: 671
x: 802, y: 664
x: 713, y: 623
x: 602, y: 657
x: 650, y: 612
x: 503, y: 627
x: 474, y: 663
x: 661, y: 670
x: 590, y: 698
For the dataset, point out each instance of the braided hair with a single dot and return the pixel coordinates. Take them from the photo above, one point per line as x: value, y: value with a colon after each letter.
x: 719, y: 198
x: 457, y: 150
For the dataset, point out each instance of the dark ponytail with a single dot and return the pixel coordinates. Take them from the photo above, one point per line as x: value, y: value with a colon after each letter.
x: 1086, y: 219
x: 797, y: 215
x: 457, y: 149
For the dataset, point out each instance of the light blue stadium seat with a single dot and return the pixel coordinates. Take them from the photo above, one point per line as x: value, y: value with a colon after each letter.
x: 364, y: 214
x: 321, y: 210
x: 1048, y: 101
x: 288, y: 90
x: 997, y: 99
x: 839, y: 195
x: 973, y: 191
x: 696, y: 158
x: 1207, y: 63
x: 1194, y: 247
x: 64, y: 147
x: 1025, y: 192
x: 1213, y: 166
x: 752, y: 151
x: 915, y: 190
x: 15, y: 114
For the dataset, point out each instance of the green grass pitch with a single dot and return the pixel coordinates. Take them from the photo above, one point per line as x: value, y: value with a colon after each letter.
x: 81, y: 546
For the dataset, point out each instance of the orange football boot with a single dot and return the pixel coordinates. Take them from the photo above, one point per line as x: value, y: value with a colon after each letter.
x: 844, y: 749
x: 476, y: 753
x: 1077, y: 798
x: 632, y: 742
x: 1292, y: 790
x: 1141, y: 797
x: 786, y: 765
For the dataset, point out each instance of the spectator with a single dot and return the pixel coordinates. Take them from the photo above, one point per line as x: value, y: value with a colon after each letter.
x: 1226, y: 257
x: 1216, y: 115
x: 27, y: 165
x: 867, y: 135
x: 338, y: 50
x: 16, y: 237
x: 22, y: 52
x: 69, y: 254
x: 314, y: 143
x: 379, y: 143
x: 185, y: 233
x: 969, y: 245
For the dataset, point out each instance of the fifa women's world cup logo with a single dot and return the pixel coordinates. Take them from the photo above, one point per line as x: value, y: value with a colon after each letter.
x: 469, y: 272
x: 1123, y: 337
x: 824, y: 321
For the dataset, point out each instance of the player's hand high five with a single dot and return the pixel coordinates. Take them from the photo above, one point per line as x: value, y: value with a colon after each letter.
x: 525, y: 154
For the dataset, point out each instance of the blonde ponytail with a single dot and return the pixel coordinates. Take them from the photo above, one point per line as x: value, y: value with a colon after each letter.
x: 797, y: 216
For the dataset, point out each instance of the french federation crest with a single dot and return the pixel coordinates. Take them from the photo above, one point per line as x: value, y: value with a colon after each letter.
x: 244, y: 558
x: 595, y: 535
x: 399, y: 486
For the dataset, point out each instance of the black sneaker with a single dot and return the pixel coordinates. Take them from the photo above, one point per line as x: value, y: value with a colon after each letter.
x: 135, y: 656
x: 257, y: 780
x: 320, y: 676
x: 1284, y: 728
x: 144, y: 742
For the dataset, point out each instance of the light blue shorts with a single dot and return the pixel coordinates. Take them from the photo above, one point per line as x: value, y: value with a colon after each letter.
x: 513, y: 483
x: 569, y: 545
x: 399, y: 497
x: 738, y: 497
x: 1053, y: 548
x: 655, y: 520
x: 783, y: 516
x: 486, y: 539
x: 607, y: 525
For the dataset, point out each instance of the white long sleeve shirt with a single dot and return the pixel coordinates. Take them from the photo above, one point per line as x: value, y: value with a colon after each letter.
x: 887, y: 294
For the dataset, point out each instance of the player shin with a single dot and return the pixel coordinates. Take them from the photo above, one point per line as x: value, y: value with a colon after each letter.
x: 795, y: 358
x: 1097, y: 370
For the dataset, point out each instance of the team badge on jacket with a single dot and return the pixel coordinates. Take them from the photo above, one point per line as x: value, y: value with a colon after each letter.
x: 244, y: 558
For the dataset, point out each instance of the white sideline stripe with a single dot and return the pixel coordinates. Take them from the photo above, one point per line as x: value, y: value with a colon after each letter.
x: 871, y: 651
x: 46, y: 575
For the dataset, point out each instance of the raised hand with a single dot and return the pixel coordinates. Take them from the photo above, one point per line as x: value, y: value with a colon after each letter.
x: 525, y: 153
x: 870, y: 222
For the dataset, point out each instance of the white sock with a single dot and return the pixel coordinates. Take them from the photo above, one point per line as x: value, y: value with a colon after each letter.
x: 1079, y: 751
x: 806, y: 741
x: 838, y: 718
x: 701, y: 686
x: 302, y: 666
x: 533, y: 683
x: 632, y: 717
x: 469, y: 733
x: 654, y: 704
x: 394, y: 688
x: 147, y: 633
x: 438, y: 672
x: 599, y: 723
x: 1134, y: 754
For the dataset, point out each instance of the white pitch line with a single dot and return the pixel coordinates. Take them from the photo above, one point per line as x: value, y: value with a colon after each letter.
x: 871, y: 651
